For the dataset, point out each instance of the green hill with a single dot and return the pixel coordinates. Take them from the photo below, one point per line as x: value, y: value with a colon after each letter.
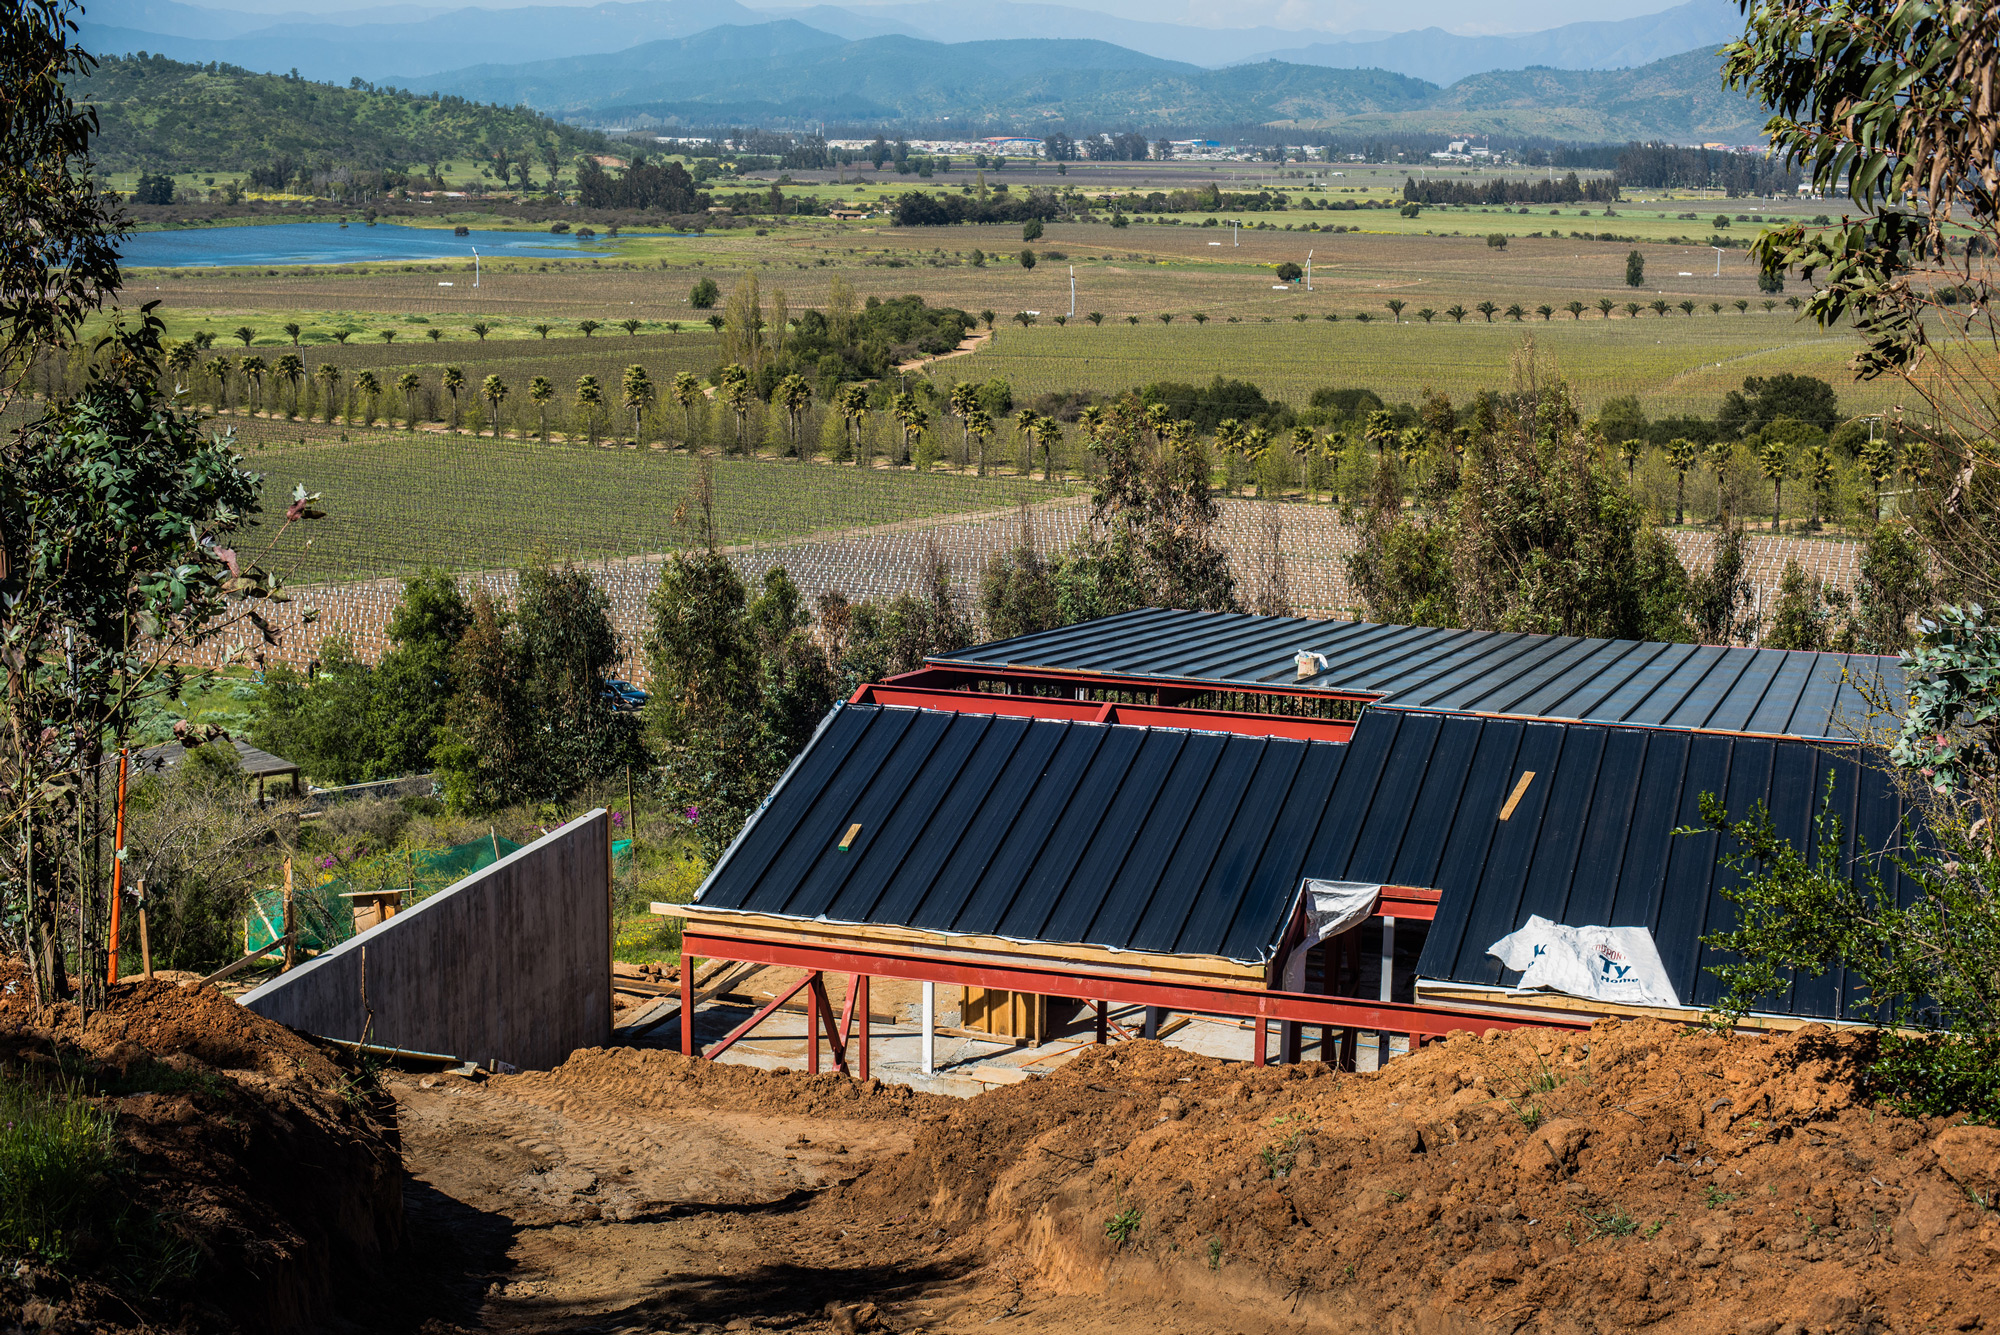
x: 162, y: 115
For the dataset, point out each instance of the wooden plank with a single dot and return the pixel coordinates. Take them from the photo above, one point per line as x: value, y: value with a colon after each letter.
x: 230, y: 970
x: 1555, y: 1002
x: 1207, y: 968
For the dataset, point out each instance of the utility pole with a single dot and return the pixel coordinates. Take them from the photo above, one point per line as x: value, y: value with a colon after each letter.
x: 1309, y: 271
x: 1718, y: 260
x: 1072, y: 291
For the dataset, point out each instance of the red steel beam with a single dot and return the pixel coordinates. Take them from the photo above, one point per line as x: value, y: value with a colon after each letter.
x: 943, y: 676
x: 1395, y: 1017
x: 1148, y: 716
x: 687, y: 1012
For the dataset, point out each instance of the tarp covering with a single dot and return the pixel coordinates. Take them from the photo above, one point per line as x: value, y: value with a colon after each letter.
x: 323, y: 913
x: 1602, y: 963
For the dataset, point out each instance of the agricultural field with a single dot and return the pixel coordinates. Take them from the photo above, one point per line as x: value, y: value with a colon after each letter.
x: 398, y: 501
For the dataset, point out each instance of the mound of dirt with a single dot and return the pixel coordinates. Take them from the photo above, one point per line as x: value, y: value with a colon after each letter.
x: 1640, y: 1175
x: 268, y: 1168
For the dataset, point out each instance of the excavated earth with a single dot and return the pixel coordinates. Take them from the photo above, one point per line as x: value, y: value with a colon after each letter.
x: 1638, y: 1176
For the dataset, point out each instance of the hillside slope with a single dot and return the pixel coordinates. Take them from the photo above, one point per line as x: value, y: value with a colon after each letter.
x: 786, y: 72
x: 158, y: 114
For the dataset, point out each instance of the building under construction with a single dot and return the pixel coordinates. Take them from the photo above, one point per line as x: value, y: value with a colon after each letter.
x: 1318, y: 825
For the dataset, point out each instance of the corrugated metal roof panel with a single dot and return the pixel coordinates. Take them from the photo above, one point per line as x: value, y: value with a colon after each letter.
x: 1762, y: 691
x: 1591, y: 839
x: 1154, y: 839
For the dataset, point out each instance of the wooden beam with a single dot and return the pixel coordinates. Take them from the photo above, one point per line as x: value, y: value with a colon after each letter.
x: 1205, y: 969
x: 228, y: 969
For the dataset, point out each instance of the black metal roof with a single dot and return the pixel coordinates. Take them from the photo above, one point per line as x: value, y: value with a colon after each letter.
x: 1149, y: 839
x: 256, y: 764
x: 1763, y: 691
x: 1591, y: 840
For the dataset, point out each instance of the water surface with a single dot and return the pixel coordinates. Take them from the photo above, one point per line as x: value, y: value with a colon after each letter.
x: 330, y: 243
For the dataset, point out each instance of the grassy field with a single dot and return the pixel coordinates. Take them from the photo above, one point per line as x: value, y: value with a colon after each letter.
x: 396, y: 501
x: 1674, y: 365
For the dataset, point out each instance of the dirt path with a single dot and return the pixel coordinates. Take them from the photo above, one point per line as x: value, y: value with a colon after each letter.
x: 970, y: 344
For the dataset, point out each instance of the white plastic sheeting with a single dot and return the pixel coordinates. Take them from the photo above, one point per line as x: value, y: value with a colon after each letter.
x: 1618, y: 964
x: 1331, y: 908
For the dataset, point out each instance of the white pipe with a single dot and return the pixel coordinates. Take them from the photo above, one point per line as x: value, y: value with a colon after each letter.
x: 1072, y: 291
x: 1388, y: 983
x: 475, y: 266
x: 930, y: 1028
x: 1718, y: 260
x: 1309, y: 271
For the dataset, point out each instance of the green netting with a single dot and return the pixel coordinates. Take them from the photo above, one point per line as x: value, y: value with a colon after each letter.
x: 621, y: 848
x: 323, y: 914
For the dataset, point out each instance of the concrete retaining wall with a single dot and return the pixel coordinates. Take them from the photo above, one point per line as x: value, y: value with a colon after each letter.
x: 511, y: 964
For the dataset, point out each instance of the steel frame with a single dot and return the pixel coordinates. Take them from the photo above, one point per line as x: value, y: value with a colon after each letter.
x: 1349, y: 1014
x: 1091, y: 711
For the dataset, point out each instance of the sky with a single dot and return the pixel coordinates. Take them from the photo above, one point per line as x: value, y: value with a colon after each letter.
x: 1330, y: 16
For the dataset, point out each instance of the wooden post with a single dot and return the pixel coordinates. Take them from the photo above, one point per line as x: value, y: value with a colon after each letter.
x: 861, y: 1062
x: 291, y: 945
x: 687, y: 1004
x: 812, y: 1028
x: 145, y: 941
x: 631, y: 811
x: 494, y: 835
x: 117, y: 869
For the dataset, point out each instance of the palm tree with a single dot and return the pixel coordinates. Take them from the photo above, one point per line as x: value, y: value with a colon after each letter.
x: 540, y: 390
x: 341, y: 336
x: 733, y: 389
x: 1396, y: 305
x: 203, y: 339
x: 1687, y: 309
x: 246, y: 333
x: 1606, y: 305
x: 1629, y: 451
x: 589, y: 397
x: 1061, y: 321
x: 1228, y: 442
x: 1768, y: 305
x: 1575, y: 309
x: 407, y: 384
x: 1487, y: 309
x: 851, y: 402
x: 217, y: 370
x: 1719, y: 452
x: 631, y: 326
x: 494, y: 390
x: 1201, y: 317
x: 1426, y: 314
x: 1048, y: 433
x: 1793, y: 302
x: 1817, y: 470
x: 1546, y: 311
x: 637, y: 389
x: 1715, y: 308
x: 1379, y: 429
x: 543, y: 330
x: 386, y: 335
x: 910, y: 416
x: 1516, y: 313
x: 979, y: 426
x: 370, y: 389
x: 1304, y: 440
x: 1660, y: 307
x: 452, y: 381
x: 252, y: 370
x: 1023, y: 319
x: 292, y: 332
x: 588, y: 327
x: 961, y: 403
x: 434, y: 335
x: 1457, y: 313
x: 715, y: 322
x: 1164, y: 318
x: 1878, y: 459
x: 1741, y: 305
x: 1131, y: 319
x: 482, y: 329
x: 329, y: 377
x: 1681, y: 454
x: 1772, y: 463
x: 1095, y: 317
x: 291, y: 369
x: 687, y: 393
x: 181, y: 359
x: 794, y: 395
x: 1632, y: 309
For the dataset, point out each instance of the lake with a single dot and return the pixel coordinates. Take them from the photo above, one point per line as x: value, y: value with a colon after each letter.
x: 330, y: 243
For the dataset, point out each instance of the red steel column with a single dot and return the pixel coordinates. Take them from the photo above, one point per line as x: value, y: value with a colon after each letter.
x: 812, y: 1027
x: 687, y: 1005
x: 861, y: 1063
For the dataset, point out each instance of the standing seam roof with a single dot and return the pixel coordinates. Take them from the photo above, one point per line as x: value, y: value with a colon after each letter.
x: 1696, y: 687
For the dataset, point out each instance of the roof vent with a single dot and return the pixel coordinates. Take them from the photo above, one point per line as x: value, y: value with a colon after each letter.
x: 1309, y: 663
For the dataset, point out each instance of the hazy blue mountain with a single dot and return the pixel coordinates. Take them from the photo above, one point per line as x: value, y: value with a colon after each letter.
x: 438, y: 40
x: 1444, y: 58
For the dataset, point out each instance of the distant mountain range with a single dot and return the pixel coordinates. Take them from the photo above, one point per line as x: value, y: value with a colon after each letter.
x: 1009, y: 64
x: 787, y: 73
x: 412, y: 42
